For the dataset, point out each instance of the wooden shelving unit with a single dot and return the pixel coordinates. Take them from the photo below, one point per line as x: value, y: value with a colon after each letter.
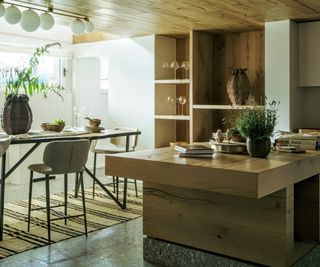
x: 211, y: 57
x: 170, y: 124
x: 172, y: 117
x: 173, y: 81
x: 223, y: 107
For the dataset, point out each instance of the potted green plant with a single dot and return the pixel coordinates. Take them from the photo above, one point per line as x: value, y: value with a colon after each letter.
x: 257, y: 125
x: 21, y: 83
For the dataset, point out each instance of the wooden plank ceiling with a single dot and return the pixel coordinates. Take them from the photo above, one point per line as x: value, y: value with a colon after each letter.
x: 143, y: 17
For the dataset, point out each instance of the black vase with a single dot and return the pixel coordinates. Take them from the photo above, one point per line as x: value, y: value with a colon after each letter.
x: 16, y: 115
x: 259, y: 148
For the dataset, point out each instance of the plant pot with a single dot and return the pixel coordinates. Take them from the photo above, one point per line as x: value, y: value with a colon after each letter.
x: 259, y: 148
x: 16, y: 115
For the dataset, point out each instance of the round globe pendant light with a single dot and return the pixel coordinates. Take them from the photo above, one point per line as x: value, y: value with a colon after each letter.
x: 89, y: 26
x: 77, y: 27
x: 2, y: 10
x: 13, y: 15
x: 46, y: 21
x: 30, y: 20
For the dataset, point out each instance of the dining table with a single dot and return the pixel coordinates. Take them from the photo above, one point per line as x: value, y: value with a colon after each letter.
x: 36, y: 138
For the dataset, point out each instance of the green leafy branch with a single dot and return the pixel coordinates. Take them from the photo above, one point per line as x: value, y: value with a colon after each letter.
x: 24, y: 78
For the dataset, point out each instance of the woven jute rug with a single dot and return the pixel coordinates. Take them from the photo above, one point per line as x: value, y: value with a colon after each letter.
x: 102, y: 212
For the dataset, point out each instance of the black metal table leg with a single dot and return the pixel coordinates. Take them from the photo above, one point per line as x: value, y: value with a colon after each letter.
x: 121, y: 205
x: 27, y: 154
x: 125, y: 193
x: 3, y: 173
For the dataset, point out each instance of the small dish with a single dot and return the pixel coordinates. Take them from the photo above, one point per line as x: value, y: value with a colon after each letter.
x: 94, y: 129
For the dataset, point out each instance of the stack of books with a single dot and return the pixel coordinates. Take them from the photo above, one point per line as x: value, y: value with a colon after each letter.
x: 298, y: 141
x: 194, y: 151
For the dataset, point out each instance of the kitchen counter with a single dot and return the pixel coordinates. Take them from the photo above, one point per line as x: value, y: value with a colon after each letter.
x: 260, y: 210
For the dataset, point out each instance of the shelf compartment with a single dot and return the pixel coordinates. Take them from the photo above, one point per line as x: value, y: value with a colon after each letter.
x: 173, y: 117
x: 226, y: 107
x: 168, y: 131
x: 173, y: 81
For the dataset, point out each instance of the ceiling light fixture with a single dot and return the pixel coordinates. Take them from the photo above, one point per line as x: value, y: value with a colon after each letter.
x: 13, y: 15
x: 2, y: 10
x: 77, y: 27
x: 30, y: 20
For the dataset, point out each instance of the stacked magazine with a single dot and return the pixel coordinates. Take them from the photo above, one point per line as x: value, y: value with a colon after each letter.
x: 297, y: 141
x: 194, y: 151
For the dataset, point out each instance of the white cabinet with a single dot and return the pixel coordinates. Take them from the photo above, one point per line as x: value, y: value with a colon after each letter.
x: 309, y: 54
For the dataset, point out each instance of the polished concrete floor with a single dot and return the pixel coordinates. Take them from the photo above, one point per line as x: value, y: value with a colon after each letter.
x: 116, y: 246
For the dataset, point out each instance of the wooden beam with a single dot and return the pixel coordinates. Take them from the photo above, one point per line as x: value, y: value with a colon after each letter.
x: 93, y: 37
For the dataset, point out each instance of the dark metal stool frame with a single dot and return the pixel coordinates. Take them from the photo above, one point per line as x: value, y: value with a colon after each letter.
x: 115, y: 179
x: 70, y: 167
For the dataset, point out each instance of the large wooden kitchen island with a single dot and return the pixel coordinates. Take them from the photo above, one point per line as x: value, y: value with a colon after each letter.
x: 260, y: 210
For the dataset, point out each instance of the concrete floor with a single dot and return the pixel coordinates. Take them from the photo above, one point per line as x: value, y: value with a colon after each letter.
x: 116, y: 246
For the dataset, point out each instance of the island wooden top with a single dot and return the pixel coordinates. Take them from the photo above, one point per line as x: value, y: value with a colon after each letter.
x: 239, y: 175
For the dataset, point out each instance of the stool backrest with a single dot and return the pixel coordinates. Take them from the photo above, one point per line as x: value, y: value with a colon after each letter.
x: 66, y: 156
x: 121, y: 141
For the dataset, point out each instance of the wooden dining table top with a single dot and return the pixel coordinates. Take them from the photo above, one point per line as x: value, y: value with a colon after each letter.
x: 46, y: 136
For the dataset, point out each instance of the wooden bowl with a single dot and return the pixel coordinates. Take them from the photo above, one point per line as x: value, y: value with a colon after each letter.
x: 238, y: 138
x: 52, y: 127
x: 95, y: 122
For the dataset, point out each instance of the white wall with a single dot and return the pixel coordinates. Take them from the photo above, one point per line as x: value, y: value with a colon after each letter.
x: 281, y: 71
x: 87, y: 91
x: 131, y: 77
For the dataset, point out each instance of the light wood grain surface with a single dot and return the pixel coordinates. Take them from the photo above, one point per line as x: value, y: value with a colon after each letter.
x: 140, y: 17
x: 225, y: 173
x: 249, y: 208
x: 256, y: 230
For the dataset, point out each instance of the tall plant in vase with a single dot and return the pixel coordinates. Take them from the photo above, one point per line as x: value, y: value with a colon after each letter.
x: 20, y: 83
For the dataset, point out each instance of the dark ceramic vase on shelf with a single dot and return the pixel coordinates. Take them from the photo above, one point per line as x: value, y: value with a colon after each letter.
x: 259, y: 148
x: 16, y: 115
x: 238, y: 87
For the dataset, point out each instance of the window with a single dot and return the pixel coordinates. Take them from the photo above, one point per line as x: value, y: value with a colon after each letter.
x: 50, y: 69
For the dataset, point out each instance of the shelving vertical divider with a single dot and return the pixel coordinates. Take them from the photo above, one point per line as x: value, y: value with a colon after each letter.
x: 191, y: 34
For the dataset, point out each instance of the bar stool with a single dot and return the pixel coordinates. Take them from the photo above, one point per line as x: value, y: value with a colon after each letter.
x: 116, y: 145
x: 61, y: 157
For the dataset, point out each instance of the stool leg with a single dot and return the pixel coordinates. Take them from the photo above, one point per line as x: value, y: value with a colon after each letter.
x: 94, y: 173
x: 83, y: 204
x: 125, y: 183
x: 76, y: 186
x: 136, y: 187
x: 65, y: 198
x: 48, y: 207
x: 117, y: 184
x: 114, y: 184
x: 30, y: 199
